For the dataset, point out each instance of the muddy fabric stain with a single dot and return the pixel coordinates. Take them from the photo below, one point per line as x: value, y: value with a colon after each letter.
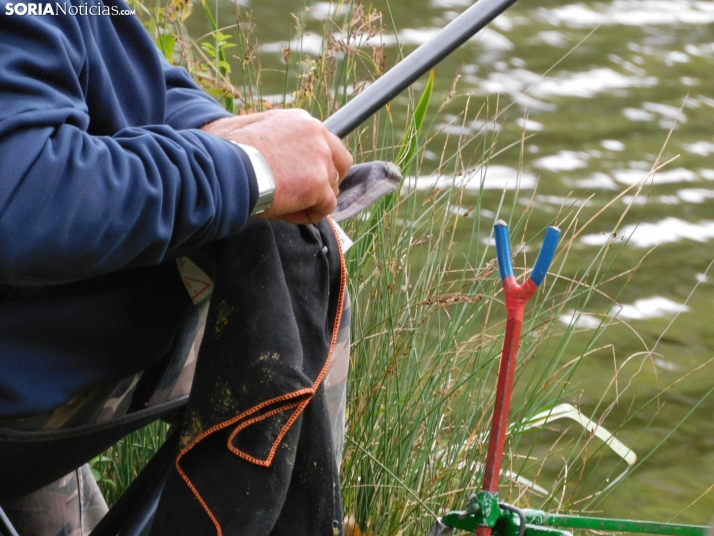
x: 193, y: 427
x: 225, y: 310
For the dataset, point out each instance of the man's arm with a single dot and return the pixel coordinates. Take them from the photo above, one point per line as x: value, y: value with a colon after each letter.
x: 74, y: 206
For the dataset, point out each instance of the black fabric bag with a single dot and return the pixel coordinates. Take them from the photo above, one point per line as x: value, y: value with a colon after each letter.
x: 256, y: 454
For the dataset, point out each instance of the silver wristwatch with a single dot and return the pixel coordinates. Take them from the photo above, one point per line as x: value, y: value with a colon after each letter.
x: 264, y: 177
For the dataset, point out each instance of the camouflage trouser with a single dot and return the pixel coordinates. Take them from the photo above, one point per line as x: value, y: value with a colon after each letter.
x: 73, y: 505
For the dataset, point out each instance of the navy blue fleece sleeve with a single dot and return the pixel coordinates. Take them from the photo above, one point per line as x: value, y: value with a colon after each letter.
x: 74, y: 205
x: 187, y: 106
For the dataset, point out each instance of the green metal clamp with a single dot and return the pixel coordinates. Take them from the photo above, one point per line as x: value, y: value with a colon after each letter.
x: 481, y: 510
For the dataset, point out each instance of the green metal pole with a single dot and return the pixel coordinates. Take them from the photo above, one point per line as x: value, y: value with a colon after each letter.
x: 537, y: 517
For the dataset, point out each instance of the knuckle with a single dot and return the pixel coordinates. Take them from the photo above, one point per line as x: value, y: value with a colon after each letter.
x: 315, y: 126
x: 299, y: 113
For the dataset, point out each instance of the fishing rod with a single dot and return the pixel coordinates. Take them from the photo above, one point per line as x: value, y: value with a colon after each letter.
x: 424, y: 58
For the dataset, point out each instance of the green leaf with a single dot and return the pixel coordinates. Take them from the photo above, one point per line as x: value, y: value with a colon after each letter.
x: 209, y: 48
x: 225, y: 66
x: 215, y: 92
x: 167, y: 44
x: 410, y: 143
x: 96, y: 474
x: 221, y: 40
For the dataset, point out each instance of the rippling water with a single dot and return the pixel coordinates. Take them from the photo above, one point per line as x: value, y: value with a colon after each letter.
x: 600, y: 111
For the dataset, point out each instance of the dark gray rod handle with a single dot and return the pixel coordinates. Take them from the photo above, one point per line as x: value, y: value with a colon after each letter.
x: 402, y: 75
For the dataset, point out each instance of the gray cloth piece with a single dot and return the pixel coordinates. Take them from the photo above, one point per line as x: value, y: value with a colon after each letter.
x: 363, y: 186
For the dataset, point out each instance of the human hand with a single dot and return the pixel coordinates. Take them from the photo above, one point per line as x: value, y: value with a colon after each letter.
x: 307, y: 161
x: 226, y: 124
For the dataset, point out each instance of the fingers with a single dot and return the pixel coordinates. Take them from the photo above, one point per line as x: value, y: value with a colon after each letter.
x: 335, y: 183
x: 324, y: 206
x: 341, y: 157
x: 341, y: 160
x: 304, y: 217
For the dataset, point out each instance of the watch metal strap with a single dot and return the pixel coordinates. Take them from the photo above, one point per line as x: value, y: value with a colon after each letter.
x: 264, y: 178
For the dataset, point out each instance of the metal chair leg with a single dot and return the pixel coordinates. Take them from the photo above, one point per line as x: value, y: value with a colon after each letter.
x: 6, y: 528
x: 140, y: 520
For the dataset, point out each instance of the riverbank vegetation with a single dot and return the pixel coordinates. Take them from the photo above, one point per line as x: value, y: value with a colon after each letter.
x: 428, y: 311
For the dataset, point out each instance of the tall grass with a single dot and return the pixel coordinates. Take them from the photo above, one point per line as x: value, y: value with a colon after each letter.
x: 118, y: 467
x: 428, y: 317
